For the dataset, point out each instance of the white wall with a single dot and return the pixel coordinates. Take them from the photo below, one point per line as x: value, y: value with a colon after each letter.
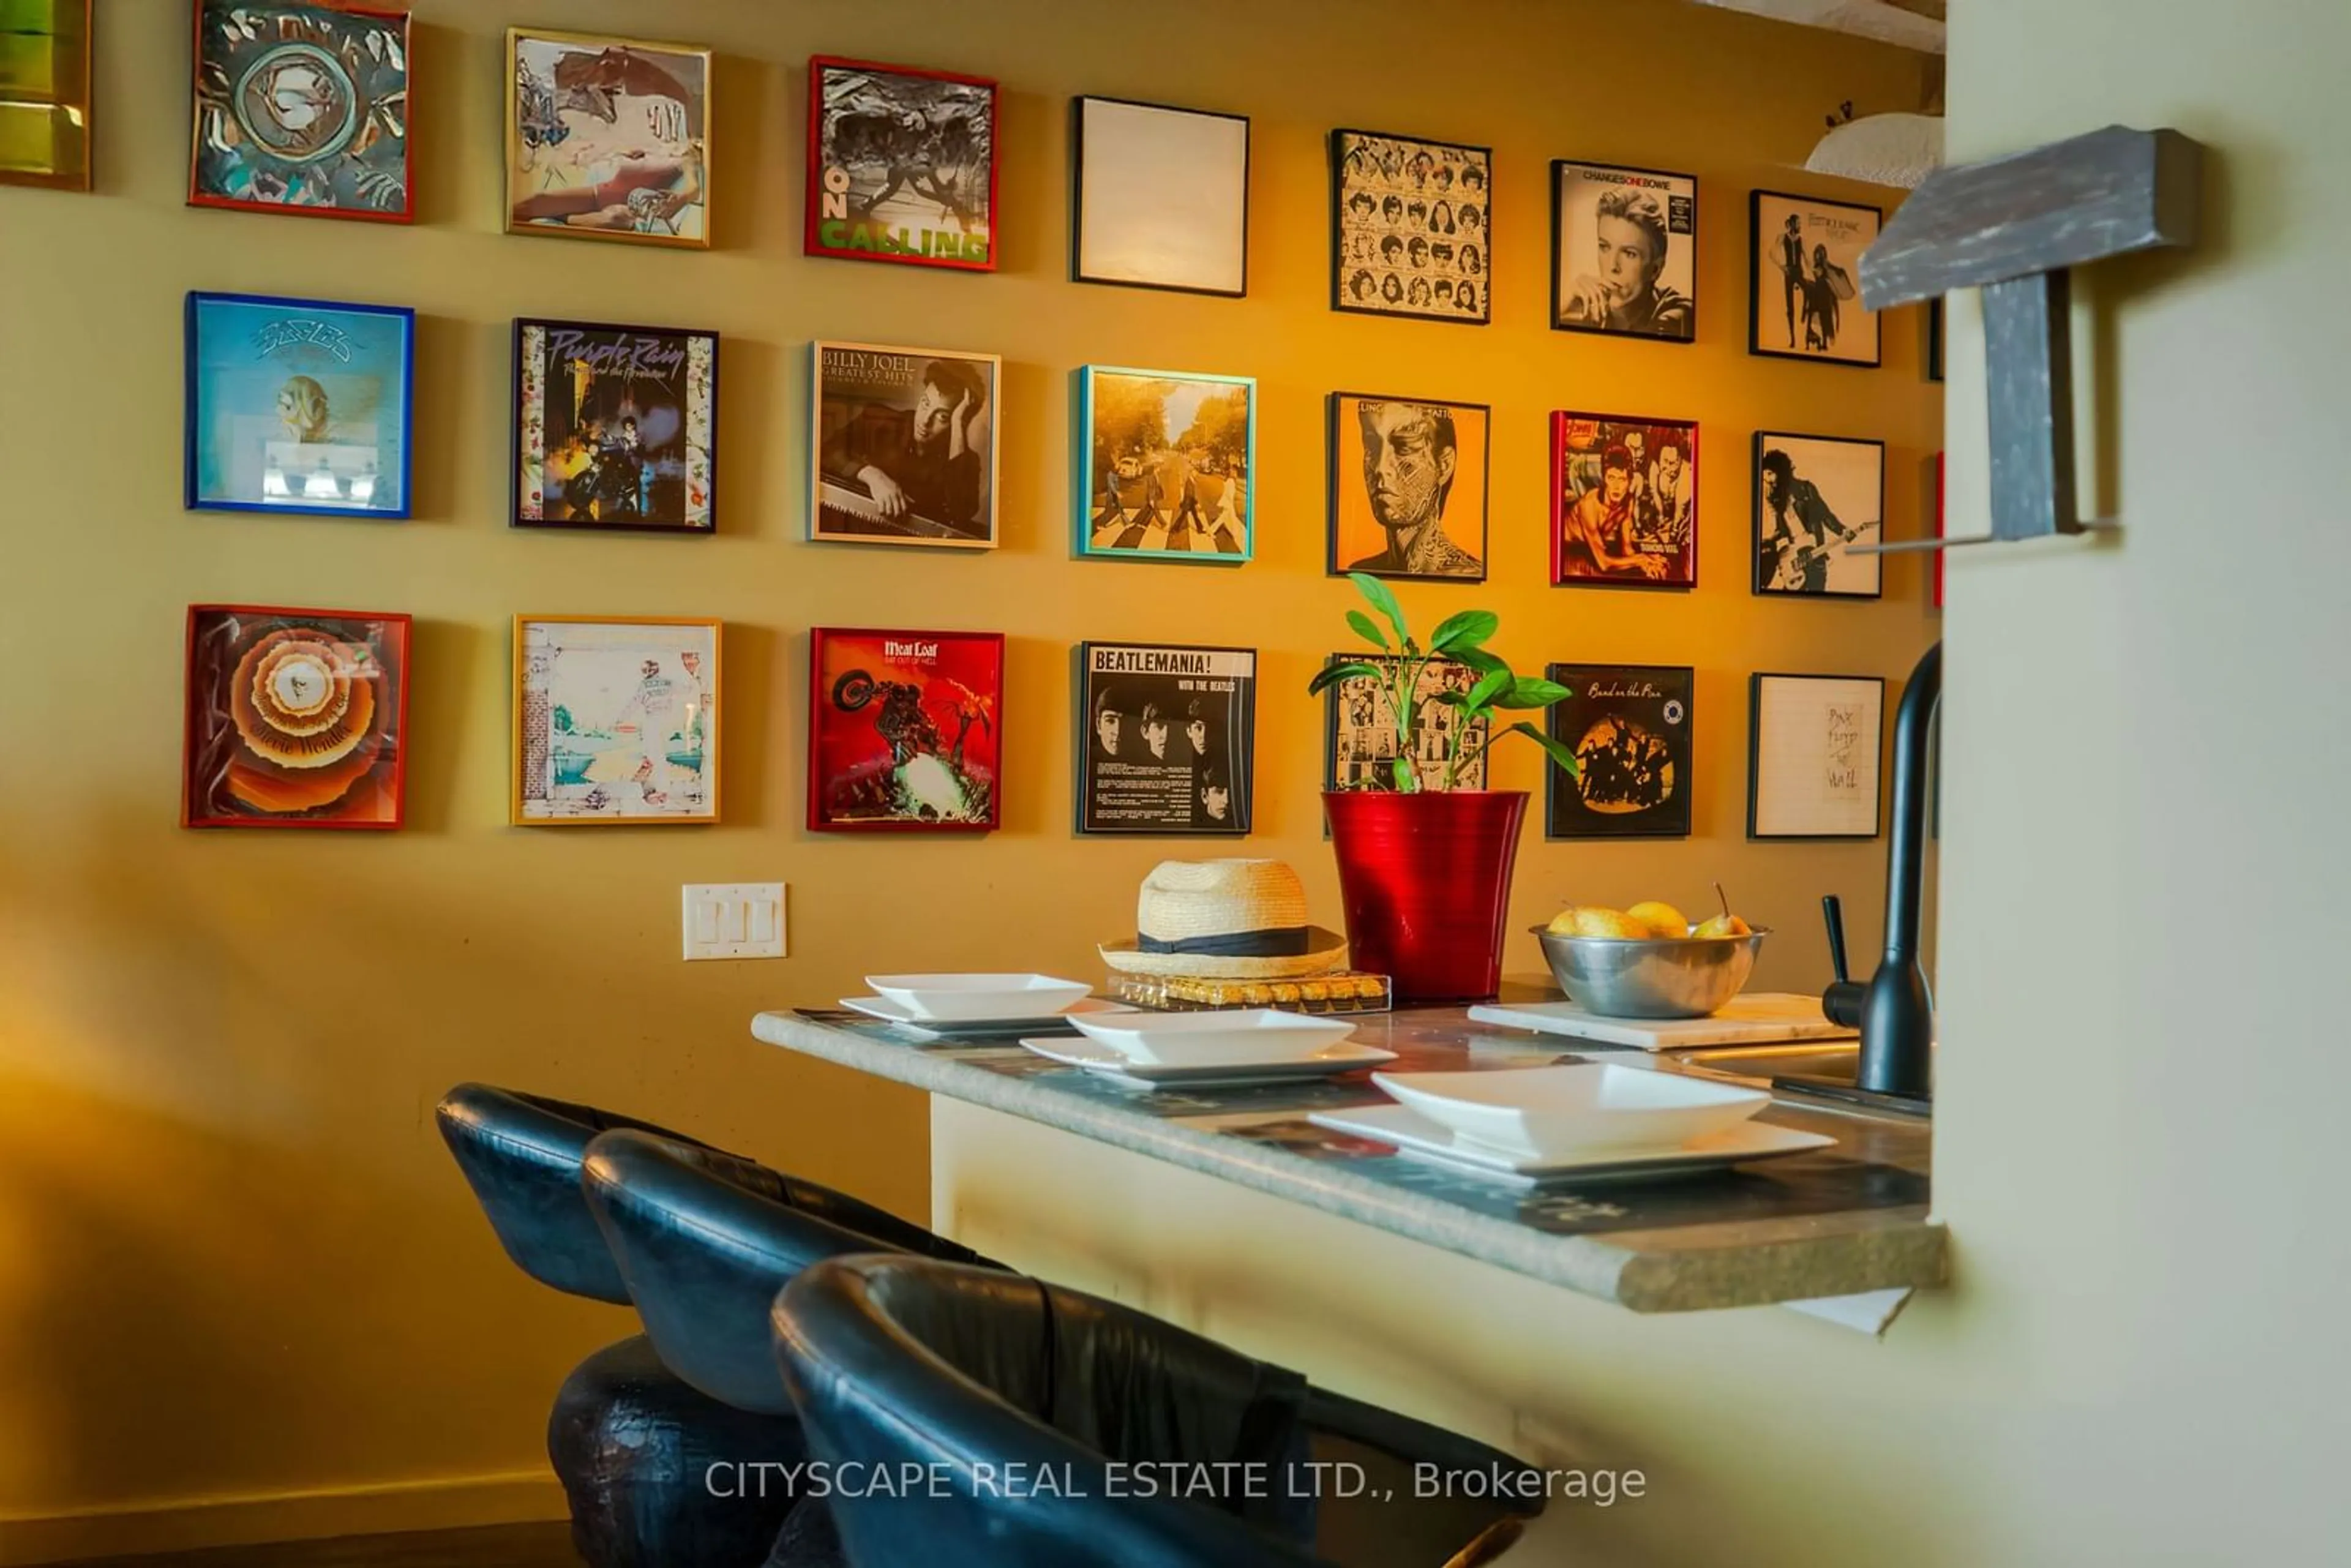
x: 2147, y: 741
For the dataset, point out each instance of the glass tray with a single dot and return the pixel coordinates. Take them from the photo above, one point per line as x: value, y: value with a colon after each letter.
x: 1347, y: 992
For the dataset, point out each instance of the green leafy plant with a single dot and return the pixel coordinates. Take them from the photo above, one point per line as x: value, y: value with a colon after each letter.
x: 1461, y: 639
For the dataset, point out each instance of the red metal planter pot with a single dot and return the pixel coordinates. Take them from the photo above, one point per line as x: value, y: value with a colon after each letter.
x: 1426, y: 881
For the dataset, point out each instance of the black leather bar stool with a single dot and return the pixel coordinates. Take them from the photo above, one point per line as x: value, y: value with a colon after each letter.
x: 521, y: 1153
x: 998, y: 1380
x: 704, y: 1240
x: 630, y: 1440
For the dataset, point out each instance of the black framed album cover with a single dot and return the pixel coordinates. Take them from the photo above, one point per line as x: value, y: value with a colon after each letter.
x: 1158, y: 196
x: 1813, y: 749
x: 1631, y: 728
x: 1411, y: 227
x: 1623, y: 251
x: 1166, y: 739
x: 1804, y: 284
x: 616, y: 427
x: 1816, y: 497
x: 1360, y: 743
x: 1409, y: 488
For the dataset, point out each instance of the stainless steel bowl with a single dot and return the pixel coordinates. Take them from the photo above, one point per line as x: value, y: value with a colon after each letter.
x: 1668, y: 978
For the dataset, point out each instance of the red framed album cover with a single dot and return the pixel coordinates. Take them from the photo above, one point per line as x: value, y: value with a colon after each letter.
x: 302, y: 109
x: 296, y: 719
x: 1624, y: 500
x: 906, y: 730
x: 902, y: 165
x: 1939, y: 530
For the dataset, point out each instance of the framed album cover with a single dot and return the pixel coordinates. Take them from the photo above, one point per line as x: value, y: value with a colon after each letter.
x: 1940, y: 530
x: 904, y: 730
x: 607, y: 137
x: 904, y: 445
x: 1361, y: 747
x: 1623, y: 251
x: 615, y: 720
x: 1409, y: 488
x: 295, y: 718
x: 299, y: 405
x: 1812, y: 760
x: 615, y: 427
x: 1624, y: 500
x: 1167, y: 737
x: 45, y: 93
x: 1630, y: 726
x: 1804, y: 292
x: 902, y: 165
x: 1815, y: 497
x: 1159, y: 196
x: 302, y: 109
x: 1411, y: 227
x: 1166, y: 462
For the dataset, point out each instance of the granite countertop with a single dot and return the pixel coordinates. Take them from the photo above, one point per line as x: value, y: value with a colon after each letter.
x: 1840, y: 1221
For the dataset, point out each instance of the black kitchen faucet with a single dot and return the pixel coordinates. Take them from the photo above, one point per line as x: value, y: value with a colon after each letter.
x: 1892, y: 1010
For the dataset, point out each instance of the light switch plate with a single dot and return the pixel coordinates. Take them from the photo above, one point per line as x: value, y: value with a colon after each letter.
x: 735, y: 920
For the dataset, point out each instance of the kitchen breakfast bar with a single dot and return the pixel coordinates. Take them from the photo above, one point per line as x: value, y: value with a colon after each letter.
x: 1564, y: 1323
x: 1842, y: 1219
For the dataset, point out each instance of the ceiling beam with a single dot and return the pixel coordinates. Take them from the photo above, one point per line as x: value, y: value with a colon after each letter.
x: 1910, y: 24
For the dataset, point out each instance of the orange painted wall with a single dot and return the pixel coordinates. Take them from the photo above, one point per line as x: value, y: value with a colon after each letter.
x: 242, y: 1292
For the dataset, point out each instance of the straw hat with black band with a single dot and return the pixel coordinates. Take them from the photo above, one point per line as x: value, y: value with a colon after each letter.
x: 1226, y: 919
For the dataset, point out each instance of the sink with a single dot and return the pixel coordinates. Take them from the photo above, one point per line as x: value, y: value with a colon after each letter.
x: 1810, y: 1069
x: 1839, y: 1060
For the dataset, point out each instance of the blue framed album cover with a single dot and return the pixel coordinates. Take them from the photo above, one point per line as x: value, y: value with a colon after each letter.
x: 299, y: 405
x: 1167, y: 465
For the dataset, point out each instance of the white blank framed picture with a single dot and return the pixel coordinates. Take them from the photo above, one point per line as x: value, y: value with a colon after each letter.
x: 1812, y: 756
x: 1161, y: 196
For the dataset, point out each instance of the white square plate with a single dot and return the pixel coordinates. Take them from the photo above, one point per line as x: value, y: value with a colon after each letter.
x: 979, y: 998
x: 1109, y: 1065
x: 988, y: 1029
x: 1415, y: 1135
x: 1242, y: 1035
x: 1541, y: 1112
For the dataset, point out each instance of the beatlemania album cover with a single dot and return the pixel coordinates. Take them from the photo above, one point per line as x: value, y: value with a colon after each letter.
x: 1168, y: 735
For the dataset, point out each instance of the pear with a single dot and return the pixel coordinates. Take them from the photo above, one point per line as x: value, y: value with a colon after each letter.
x: 1563, y: 923
x: 1610, y: 922
x: 1725, y: 924
x: 1662, y: 919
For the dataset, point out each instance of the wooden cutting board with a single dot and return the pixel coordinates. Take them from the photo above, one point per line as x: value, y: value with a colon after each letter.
x: 1757, y: 1017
